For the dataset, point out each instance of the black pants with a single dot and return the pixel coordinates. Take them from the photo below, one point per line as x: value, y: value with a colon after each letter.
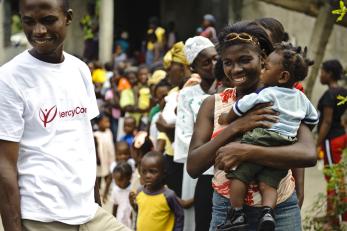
x: 174, y: 175
x: 203, y: 203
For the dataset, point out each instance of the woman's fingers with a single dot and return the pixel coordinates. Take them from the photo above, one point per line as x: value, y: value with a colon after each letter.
x: 265, y: 111
x: 262, y: 105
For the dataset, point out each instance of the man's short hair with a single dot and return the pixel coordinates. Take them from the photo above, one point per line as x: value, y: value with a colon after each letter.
x: 65, y: 4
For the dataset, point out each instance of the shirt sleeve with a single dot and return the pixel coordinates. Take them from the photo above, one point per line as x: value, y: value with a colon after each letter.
x: 184, y: 127
x: 311, y: 116
x: 176, y: 208
x: 11, y: 113
x: 93, y: 110
x: 248, y: 102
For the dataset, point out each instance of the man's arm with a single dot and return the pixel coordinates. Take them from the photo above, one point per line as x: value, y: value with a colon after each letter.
x: 97, y: 193
x: 9, y: 190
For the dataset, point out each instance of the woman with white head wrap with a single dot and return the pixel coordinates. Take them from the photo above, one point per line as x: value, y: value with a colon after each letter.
x: 201, y: 55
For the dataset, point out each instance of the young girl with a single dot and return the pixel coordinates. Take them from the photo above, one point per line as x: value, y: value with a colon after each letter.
x: 121, y: 206
x: 285, y: 66
x: 157, y: 206
x: 105, y: 147
x: 122, y: 155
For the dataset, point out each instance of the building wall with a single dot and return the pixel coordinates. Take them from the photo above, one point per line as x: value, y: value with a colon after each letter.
x: 188, y: 15
x: 300, y: 26
x: 74, y: 39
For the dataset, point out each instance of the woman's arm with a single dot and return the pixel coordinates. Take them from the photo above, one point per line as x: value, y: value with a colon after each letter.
x: 160, y: 146
x: 299, y: 176
x: 299, y: 155
x: 202, y: 150
x: 325, y: 125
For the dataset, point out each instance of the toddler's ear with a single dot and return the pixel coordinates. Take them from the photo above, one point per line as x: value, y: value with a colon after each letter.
x: 284, y: 77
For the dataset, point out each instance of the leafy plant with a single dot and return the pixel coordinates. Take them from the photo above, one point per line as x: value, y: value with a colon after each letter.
x: 318, y: 219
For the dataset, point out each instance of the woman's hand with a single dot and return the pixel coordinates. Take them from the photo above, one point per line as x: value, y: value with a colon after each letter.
x: 231, y: 155
x: 260, y: 116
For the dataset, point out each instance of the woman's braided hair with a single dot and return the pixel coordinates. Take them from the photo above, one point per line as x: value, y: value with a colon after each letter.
x: 294, y: 61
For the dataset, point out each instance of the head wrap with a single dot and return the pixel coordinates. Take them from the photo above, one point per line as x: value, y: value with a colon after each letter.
x: 210, y: 18
x: 175, y: 54
x: 194, y: 46
x: 156, y: 77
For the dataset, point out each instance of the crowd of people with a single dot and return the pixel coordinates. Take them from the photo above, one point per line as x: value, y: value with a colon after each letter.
x: 210, y: 133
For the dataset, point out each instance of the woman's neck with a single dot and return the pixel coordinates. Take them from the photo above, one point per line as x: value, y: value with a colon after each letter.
x: 333, y: 84
x: 242, y: 92
x: 206, y: 84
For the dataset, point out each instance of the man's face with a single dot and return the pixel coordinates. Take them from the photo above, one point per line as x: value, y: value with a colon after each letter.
x: 44, y: 24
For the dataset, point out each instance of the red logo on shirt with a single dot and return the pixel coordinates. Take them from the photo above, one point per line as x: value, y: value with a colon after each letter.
x: 48, y: 116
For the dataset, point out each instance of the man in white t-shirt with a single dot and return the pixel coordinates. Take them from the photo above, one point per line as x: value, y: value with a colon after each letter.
x: 47, y: 152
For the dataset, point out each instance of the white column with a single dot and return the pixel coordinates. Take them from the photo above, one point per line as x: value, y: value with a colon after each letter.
x: 106, y: 30
x: 2, y: 34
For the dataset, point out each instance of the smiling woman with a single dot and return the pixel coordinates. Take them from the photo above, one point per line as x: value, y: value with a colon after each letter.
x: 242, y: 63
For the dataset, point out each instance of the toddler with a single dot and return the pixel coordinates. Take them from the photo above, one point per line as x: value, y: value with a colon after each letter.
x: 158, y: 207
x: 122, y: 155
x: 120, y: 195
x: 105, y: 147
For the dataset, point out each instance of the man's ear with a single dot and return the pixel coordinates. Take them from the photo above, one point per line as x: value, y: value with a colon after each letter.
x: 69, y: 14
x: 284, y: 77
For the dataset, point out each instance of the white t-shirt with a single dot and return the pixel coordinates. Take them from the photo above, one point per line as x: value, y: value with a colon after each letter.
x: 120, y: 197
x: 47, y: 108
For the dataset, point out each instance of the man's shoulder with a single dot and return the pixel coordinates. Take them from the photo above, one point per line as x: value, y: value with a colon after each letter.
x: 75, y: 59
x: 14, y: 67
x: 15, y: 61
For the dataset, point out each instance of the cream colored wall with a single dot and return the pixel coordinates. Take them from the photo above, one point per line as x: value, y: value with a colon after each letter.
x: 300, y: 26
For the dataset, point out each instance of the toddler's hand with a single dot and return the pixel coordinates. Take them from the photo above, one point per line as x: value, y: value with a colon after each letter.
x: 132, y: 199
x: 223, y: 119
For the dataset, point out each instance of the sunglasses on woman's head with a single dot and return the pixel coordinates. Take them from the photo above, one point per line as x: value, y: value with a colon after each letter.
x: 242, y: 36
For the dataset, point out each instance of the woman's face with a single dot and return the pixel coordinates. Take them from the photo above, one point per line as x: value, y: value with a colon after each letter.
x: 176, y: 74
x: 242, y: 65
x: 205, y: 62
x: 324, y: 76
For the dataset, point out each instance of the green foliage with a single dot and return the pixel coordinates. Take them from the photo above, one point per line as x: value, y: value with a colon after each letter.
x: 317, y: 219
